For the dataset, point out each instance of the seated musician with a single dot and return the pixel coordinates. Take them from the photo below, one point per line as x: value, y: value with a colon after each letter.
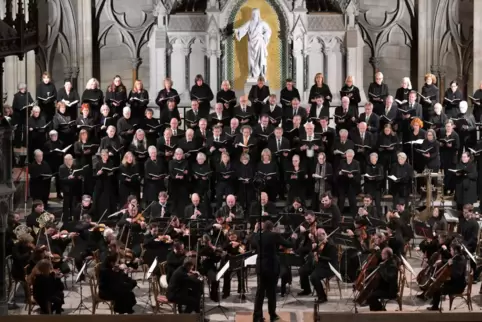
x: 325, y: 253
x: 185, y: 288
x: 196, y: 209
x: 233, y: 247
x: 219, y: 228
x: 329, y: 207
x: 231, y: 210
x: 48, y: 289
x: 21, y: 253
x: 456, y: 284
x: 31, y: 220
x: 388, y: 282
x: 295, y: 208
x: 134, y: 226
x: 263, y: 207
x: 85, y: 207
x: 89, y: 240
x: 155, y: 245
x: 174, y: 259
x: 404, y: 230
x: 162, y: 208
x: 115, y: 285
x: 57, y: 243
x: 437, y: 221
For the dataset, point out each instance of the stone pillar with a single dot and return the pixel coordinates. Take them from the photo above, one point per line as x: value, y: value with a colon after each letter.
x: 331, y: 71
x: 197, y: 60
x: 477, y: 45
x: 136, y: 62
x: 439, y: 72
x: 2, y: 90
x: 375, y: 62
x: 6, y: 196
x: 157, y: 62
x: 354, y: 59
x: 178, y: 63
x: 84, y: 15
x: 299, y: 65
x: 214, y: 82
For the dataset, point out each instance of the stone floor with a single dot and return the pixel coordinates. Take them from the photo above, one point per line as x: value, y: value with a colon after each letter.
x: 298, y: 307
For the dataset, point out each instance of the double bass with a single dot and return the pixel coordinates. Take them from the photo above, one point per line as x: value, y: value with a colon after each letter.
x: 440, y: 276
x: 369, y: 284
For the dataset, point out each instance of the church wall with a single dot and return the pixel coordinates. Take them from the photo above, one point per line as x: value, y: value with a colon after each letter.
x: 387, y: 31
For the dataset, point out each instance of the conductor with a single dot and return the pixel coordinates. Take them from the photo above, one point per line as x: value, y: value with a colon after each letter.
x: 267, y: 246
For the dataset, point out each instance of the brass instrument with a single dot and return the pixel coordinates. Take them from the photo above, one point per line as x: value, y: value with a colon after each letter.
x: 21, y: 230
x: 42, y: 221
x: 429, y: 202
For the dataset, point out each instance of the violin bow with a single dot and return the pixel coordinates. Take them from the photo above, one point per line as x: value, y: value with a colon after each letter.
x: 165, y: 231
x: 217, y: 238
x: 150, y: 217
x: 101, y: 217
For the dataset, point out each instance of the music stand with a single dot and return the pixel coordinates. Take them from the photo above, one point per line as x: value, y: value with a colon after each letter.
x: 148, y: 277
x: 79, y: 280
x: 346, y: 242
x: 219, y: 275
x: 291, y: 260
x: 237, y: 263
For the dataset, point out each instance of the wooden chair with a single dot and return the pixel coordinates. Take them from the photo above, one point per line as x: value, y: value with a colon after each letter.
x: 466, y: 295
x: 401, y: 287
x: 94, y: 290
x: 163, y: 280
x: 326, y: 281
x: 30, y: 302
x: 160, y: 297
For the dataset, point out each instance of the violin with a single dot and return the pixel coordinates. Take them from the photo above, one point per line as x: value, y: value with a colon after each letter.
x: 138, y: 218
x: 98, y: 227
x: 164, y: 238
x: 55, y: 258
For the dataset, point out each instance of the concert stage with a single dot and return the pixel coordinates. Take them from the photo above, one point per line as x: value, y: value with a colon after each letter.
x: 400, y: 317
x: 104, y: 318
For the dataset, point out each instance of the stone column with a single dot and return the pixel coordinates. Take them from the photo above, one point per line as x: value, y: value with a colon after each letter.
x: 157, y: 62
x: 331, y: 71
x: 375, y: 62
x: 84, y: 14
x: 477, y: 45
x: 178, y: 63
x: 439, y: 72
x: 299, y: 62
x: 197, y: 61
x: 214, y: 82
x: 136, y: 62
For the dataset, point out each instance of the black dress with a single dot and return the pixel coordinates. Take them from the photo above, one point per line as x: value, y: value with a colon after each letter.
x: 452, y: 107
x: 353, y: 93
x: 228, y: 99
x: 152, y: 183
x: 70, y: 97
x: 204, y: 95
x: 179, y: 191
x: 46, y: 97
x: 83, y: 153
x: 117, y: 95
x: 377, y: 95
x: 164, y: 95
x: 20, y: 100
x: 37, y: 135
x: 48, y: 292
x: 95, y: 99
x: 64, y: 124
x: 477, y: 105
x: 105, y: 189
x: 138, y: 102
x: 129, y: 182
x: 466, y: 184
x: 388, y: 147
x: 245, y: 190
x: 432, y: 92
x: 40, y: 179
x: 269, y: 172
x: 449, y: 147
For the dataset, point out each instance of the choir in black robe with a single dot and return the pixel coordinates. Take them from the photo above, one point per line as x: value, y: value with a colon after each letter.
x: 64, y: 124
x: 168, y: 114
x: 129, y: 182
x: 388, y: 147
x: 70, y: 97
x: 165, y: 95
x: 152, y: 129
x: 201, y: 182
x: 55, y: 158
x: 466, y: 184
x: 402, y: 187
x: 116, y: 99
x: 436, y: 122
x: 286, y: 96
x: 269, y: 172
x: 46, y: 97
x: 225, y: 178
x: 153, y: 181
x: 228, y: 99
x: 342, y: 147
x: 258, y: 96
x: 103, y: 123
x: 20, y: 115
x: 105, y: 188
x: 374, y: 179
x: 348, y: 187
x: 372, y: 121
x: 40, y: 179
x: 467, y: 136
x: 245, y: 190
x: 38, y: 129
x: 432, y: 92
x: 179, y: 186
x: 449, y: 147
x: 345, y: 119
x: 432, y: 162
x: 204, y: 95
x: 88, y: 123
x: 138, y: 102
x: 83, y: 152
x: 452, y: 108
x: 416, y: 159
x: 95, y: 99
x: 353, y: 93
x: 114, y: 146
x: 324, y: 91
x: 377, y: 95
x: 297, y: 182
x: 476, y: 104
x: 125, y: 129
x: 71, y: 190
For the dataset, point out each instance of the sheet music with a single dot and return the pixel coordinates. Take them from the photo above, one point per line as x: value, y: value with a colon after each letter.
x: 81, y: 272
x: 152, y: 268
x: 251, y: 260
x: 222, y: 271
x: 407, y: 265
x: 337, y: 274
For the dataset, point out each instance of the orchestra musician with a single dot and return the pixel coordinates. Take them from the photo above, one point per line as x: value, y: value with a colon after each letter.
x: 456, y: 284
x: 115, y: 285
x: 388, y: 282
x: 175, y: 259
x: 329, y: 207
x: 324, y: 253
x: 56, y: 242
x: 210, y: 256
x: 469, y: 229
x: 263, y: 207
x: 185, y: 287
x: 133, y: 225
x: 267, y: 245
x: 47, y: 287
x: 233, y: 247
x: 21, y: 253
x: 231, y: 210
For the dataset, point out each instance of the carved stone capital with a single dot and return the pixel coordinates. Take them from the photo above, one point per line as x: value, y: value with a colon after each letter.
x: 186, y: 51
x: 375, y: 62
x: 67, y: 73
x: 75, y: 71
x: 136, y: 62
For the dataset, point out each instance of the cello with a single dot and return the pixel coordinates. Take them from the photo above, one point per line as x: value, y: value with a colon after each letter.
x: 369, y: 284
x: 440, y: 277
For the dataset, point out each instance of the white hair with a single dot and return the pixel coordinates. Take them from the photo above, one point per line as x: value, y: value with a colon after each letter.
x: 152, y: 148
x: 407, y: 80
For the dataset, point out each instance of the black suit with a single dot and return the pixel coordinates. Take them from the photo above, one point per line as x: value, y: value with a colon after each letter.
x: 189, y: 211
x: 267, y: 268
x: 186, y: 290
x: 373, y: 122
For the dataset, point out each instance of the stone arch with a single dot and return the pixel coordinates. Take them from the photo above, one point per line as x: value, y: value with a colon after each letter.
x: 228, y: 48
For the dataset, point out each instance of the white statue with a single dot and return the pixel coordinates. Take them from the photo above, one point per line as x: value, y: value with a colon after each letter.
x: 259, y: 34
